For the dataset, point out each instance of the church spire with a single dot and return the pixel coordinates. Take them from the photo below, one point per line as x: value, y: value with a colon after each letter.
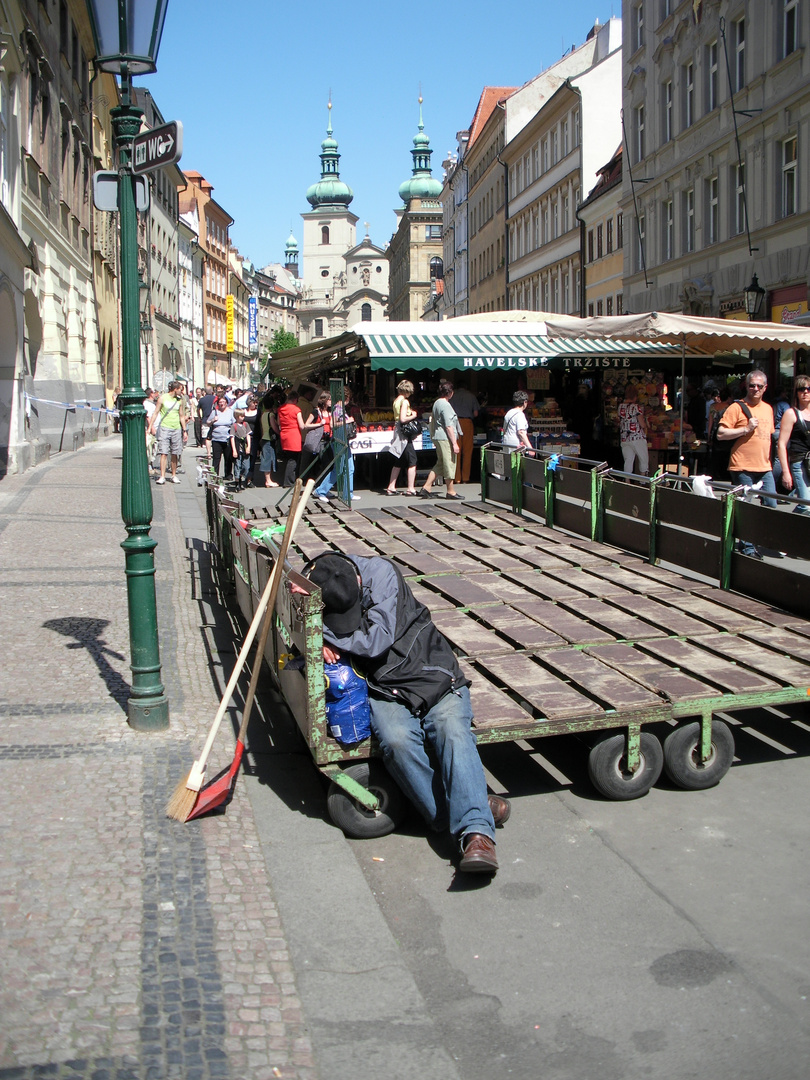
x: 330, y: 190
x: 421, y: 184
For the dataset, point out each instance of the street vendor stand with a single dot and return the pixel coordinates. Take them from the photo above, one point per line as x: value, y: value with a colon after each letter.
x: 524, y: 351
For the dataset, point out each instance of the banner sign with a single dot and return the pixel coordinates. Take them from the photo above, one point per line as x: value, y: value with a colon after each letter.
x: 229, y: 322
x: 253, y: 324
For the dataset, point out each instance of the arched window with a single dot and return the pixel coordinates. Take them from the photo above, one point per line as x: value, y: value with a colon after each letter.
x: 436, y: 268
x: 324, y: 234
x: 365, y: 313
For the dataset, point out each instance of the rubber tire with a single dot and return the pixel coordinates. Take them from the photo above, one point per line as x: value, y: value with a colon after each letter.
x: 608, y: 777
x: 680, y: 756
x: 355, y: 820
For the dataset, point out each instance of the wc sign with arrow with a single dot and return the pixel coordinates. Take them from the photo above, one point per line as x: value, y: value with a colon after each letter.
x: 160, y: 146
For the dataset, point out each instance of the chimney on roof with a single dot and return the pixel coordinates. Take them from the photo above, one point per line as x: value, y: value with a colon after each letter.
x: 594, y: 31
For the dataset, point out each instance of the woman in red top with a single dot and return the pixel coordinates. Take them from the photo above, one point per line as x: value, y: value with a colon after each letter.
x: 290, y: 427
x: 317, y: 430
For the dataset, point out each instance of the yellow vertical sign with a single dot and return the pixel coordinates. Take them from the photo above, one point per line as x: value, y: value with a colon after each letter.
x: 229, y: 322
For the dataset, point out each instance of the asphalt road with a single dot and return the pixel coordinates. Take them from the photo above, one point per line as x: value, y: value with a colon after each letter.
x: 664, y: 937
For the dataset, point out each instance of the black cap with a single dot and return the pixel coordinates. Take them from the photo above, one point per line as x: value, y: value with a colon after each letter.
x: 336, y: 577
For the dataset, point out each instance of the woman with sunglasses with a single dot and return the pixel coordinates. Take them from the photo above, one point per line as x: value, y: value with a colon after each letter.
x: 794, y: 443
x: 220, y: 423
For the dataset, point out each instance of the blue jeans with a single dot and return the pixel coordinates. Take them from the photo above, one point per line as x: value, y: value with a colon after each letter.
x: 800, y: 471
x: 241, y: 469
x: 746, y: 547
x: 330, y: 479
x: 435, y: 761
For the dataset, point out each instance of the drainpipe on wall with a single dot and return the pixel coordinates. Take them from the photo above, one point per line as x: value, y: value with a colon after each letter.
x: 502, y: 105
x: 582, y: 264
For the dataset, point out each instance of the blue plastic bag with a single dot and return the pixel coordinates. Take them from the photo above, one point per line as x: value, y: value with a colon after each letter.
x: 347, y: 709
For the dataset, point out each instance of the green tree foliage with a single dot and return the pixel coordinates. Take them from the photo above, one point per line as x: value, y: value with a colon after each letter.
x: 281, y: 340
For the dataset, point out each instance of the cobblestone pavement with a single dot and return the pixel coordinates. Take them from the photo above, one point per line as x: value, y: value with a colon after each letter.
x: 130, y: 946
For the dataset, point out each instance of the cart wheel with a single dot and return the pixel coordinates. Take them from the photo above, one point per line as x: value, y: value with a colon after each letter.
x: 682, y: 761
x: 353, y: 818
x: 608, y: 770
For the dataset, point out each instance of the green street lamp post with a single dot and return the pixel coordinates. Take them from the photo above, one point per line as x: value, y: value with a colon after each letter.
x: 127, y: 36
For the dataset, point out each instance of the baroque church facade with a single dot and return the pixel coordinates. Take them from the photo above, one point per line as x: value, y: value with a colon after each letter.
x: 343, y: 282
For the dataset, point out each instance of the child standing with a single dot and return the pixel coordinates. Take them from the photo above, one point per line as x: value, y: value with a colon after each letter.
x: 240, y: 448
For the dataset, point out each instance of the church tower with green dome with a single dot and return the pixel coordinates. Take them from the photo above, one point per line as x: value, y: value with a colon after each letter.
x: 343, y: 282
x: 415, y: 254
x: 291, y: 255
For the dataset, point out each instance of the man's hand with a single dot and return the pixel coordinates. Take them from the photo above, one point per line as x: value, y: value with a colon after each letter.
x: 455, y: 447
x: 330, y: 656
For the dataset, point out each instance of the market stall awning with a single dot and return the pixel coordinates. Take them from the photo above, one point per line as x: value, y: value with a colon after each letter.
x: 495, y: 346
x: 457, y: 344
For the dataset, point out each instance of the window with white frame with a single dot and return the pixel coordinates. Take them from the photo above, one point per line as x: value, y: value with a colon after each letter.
x: 555, y: 292
x: 536, y: 161
x: 789, y: 175
x: 790, y: 26
x: 566, y: 212
x: 640, y: 133
x: 620, y: 230
x: 689, y: 220
x: 638, y: 25
x: 566, y: 288
x: 738, y: 39
x: 565, y: 147
x: 545, y: 154
x: 577, y: 288
x: 527, y: 169
x: 545, y: 294
x: 555, y: 147
x: 738, y: 181
x: 546, y: 233
x: 711, y: 76
x: 536, y: 228
x: 609, y: 235
x: 713, y: 209
x: 668, y: 223
x: 666, y: 102
x: 688, y: 94
x: 555, y: 221
x: 609, y: 305
x: 577, y: 127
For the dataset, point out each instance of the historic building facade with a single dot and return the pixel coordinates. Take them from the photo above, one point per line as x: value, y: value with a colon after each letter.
x: 415, y: 252
x: 214, y: 245
x: 62, y: 380
x: 714, y: 209
x: 601, y: 243
x: 561, y: 128
x: 454, y: 231
x: 486, y: 202
x: 343, y: 282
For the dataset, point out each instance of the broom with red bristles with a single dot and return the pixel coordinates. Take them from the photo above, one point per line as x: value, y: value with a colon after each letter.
x: 182, y: 803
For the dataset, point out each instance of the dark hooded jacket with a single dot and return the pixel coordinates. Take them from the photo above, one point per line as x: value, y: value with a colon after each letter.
x: 398, y: 649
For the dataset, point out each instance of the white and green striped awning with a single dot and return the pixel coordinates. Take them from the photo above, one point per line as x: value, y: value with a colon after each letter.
x: 467, y: 346
x: 394, y: 347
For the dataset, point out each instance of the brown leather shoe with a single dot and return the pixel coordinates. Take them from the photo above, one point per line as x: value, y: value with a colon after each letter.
x: 500, y: 809
x: 478, y: 855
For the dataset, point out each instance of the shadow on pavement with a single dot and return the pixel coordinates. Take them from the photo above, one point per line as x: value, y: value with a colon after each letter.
x: 87, y: 634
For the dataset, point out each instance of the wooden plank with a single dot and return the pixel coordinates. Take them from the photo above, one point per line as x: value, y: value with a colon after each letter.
x: 604, y: 682
x: 786, y: 641
x: 464, y: 592
x: 722, y: 617
x: 432, y: 601
x: 543, y: 560
x: 540, y: 584
x: 463, y: 564
x: 618, y: 622
x: 618, y: 575
x: 661, y: 615
x: 422, y: 564
x: 491, y: 706
x: 676, y: 686
x: 590, y: 584
x: 758, y: 610
x: 552, y: 697
x: 758, y: 658
x: 575, y: 630
x: 524, y: 632
x: 708, y: 665
x: 469, y: 635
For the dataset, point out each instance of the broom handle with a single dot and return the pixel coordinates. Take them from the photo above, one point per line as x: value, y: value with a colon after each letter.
x: 269, y: 611
x: 243, y: 652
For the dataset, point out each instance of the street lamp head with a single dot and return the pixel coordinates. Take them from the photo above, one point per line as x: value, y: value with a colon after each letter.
x: 127, y: 34
x: 754, y: 295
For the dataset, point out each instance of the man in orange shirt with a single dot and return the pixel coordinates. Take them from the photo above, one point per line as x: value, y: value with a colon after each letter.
x: 749, y: 423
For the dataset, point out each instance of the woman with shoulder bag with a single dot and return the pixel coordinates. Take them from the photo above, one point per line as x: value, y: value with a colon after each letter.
x: 794, y: 443
x: 317, y: 432
x: 402, y: 448
x: 343, y: 411
x: 267, y: 430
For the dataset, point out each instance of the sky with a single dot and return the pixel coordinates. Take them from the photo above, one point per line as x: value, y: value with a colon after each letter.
x: 250, y: 81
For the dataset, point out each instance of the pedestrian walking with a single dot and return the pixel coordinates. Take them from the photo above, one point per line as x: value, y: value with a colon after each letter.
x: 794, y: 443
x: 240, y: 448
x: 220, y: 423
x: 445, y: 432
x: 171, y: 420
x: 405, y: 431
x: 467, y: 407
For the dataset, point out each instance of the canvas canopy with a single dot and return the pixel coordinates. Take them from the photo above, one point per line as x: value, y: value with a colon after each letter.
x: 459, y: 345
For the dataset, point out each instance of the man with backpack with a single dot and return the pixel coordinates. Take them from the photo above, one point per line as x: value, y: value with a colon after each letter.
x: 749, y: 424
